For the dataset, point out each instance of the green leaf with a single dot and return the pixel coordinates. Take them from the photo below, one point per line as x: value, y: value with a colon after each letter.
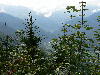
x: 89, y: 28
x: 54, y: 40
x: 91, y: 40
x: 86, y: 45
x: 78, y: 26
x: 67, y: 25
x: 64, y: 30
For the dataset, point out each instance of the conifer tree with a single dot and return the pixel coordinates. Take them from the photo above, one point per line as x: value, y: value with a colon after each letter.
x: 33, y: 55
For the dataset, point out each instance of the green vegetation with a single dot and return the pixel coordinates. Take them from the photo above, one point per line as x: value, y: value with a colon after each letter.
x: 74, y: 52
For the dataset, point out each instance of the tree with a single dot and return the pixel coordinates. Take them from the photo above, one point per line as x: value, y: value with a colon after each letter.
x: 6, y: 48
x: 72, y: 50
x: 33, y: 56
x: 97, y: 46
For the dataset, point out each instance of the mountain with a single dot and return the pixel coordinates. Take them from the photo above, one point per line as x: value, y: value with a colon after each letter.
x: 49, y: 24
x: 91, y: 21
x: 14, y: 23
x: 17, y: 11
x: 11, y: 21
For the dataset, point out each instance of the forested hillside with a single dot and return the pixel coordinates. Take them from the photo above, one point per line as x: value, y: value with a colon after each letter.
x: 72, y: 50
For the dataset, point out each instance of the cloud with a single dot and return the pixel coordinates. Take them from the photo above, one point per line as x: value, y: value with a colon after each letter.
x: 2, y: 10
x: 95, y: 10
x: 47, y: 7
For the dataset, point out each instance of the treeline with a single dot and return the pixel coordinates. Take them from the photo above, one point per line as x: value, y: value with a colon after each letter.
x: 74, y: 52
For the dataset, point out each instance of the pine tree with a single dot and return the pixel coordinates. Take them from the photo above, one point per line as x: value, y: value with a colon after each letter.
x: 33, y: 56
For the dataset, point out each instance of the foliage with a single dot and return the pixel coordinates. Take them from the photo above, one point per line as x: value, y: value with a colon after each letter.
x: 72, y: 54
x: 75, y: 53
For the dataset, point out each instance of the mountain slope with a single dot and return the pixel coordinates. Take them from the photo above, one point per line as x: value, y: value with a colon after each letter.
x: 91, y: 21
x: 11, y: 21
x: 14, y: 23
x: 49, y: 24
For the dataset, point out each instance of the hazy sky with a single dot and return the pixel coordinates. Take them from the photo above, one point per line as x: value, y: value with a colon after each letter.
x: 47, y: 6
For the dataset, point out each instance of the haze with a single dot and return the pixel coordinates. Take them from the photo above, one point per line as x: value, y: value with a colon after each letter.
x: 47, y: 7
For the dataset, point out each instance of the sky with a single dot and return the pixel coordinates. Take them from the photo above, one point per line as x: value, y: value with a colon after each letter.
x: 47, y: 7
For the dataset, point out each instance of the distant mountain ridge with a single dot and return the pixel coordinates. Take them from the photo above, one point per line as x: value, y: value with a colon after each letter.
x: 14, y: 17
x: 14, y: 23
x: 11, y: 21
x: 91, y: 21
x: 49, y: 24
